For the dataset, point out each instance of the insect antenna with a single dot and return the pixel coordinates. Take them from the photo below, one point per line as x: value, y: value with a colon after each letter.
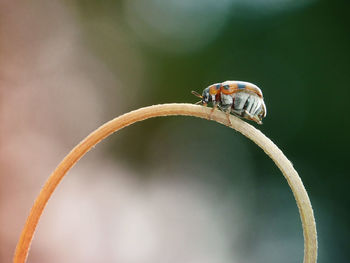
x: 195, y: 93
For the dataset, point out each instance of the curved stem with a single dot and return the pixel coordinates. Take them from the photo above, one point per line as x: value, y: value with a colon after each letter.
x: 293, y: 179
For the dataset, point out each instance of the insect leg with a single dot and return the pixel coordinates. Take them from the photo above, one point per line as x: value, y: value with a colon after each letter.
x: 252, y: 117
x: 215, y: 106
x: 227, y: 110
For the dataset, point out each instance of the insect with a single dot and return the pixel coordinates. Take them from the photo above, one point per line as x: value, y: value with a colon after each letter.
x: 238, y: 97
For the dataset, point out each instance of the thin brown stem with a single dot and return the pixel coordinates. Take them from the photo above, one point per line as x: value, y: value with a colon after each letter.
x: 293, y: 179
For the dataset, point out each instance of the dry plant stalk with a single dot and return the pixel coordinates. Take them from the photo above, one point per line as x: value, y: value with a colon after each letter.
x: 293, y: 179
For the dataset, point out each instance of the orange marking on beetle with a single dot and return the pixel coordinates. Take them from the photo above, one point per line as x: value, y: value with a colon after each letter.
x: 229, y: 88
x: 240, y: 87
x: 214, y: 89
x: 254, y: 90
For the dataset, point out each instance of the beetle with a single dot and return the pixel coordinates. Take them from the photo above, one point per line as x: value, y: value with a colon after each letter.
x: 241, y: 98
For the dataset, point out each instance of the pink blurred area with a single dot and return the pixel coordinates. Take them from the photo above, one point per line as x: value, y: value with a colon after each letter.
x: 45, y: 92
x: 53, y: 92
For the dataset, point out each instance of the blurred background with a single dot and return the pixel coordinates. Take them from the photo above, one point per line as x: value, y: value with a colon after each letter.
x: 175, y: 189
